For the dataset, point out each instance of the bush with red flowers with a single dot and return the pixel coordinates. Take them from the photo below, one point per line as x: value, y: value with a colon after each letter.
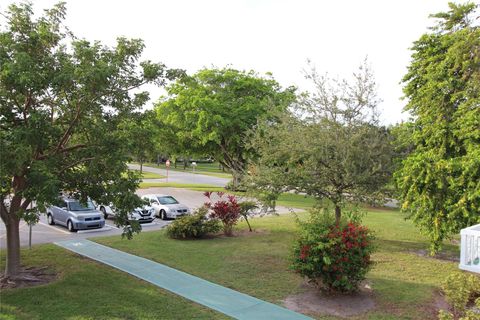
x: 334, y: 256
x: 227, y: 211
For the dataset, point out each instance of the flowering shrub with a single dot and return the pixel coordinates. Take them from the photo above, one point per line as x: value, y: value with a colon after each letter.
x: 227, y: 211
x: 336, y: 256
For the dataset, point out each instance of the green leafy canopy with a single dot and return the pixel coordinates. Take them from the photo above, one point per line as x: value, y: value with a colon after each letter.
x: 439, y: 181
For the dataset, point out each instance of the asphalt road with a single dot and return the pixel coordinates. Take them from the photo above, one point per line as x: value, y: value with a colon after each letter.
x: 182, y: 177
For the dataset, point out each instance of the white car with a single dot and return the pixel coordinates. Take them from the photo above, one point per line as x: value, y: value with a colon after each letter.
x: 166, y: 206
x: 143, y: 214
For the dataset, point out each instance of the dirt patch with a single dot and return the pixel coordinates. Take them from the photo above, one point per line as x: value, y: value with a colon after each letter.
x: 447, y: 256
x: 314, y: 301
x: 436, y: 304
x: 28, y: 277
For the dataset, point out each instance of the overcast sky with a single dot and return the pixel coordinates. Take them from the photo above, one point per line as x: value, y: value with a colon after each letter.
x: 266, y: 35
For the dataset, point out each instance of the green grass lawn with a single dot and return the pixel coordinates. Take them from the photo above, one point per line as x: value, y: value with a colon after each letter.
x: 191, y: 186
x: 151, y: 175
x: 89, y: 290
x: 208, y: 169
x: 404, y: 283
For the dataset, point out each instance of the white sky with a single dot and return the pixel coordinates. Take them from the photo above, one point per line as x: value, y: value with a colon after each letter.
x: 265, y: 35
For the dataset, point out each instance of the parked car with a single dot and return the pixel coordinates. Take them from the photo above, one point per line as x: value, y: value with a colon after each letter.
x: 144, y: 214
x: 166, y: 206
x: 74, y: 215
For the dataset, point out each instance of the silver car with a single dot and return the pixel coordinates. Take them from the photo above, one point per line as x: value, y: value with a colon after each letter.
x: 166, y: 206
x: 75, y: 215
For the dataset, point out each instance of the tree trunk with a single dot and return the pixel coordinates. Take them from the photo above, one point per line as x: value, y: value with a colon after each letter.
x: 236, y: 179
x: 338, y: 214
x: 12, y: 266
x: 141, y: 166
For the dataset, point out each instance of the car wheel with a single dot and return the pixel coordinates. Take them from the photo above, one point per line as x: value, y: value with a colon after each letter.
x: 70, y: 226
x: 105, y: 214
x: 163, y: 215
x: 50, y: 219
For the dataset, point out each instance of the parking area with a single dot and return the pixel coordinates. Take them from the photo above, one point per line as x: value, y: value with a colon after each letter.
x: 42, y: 232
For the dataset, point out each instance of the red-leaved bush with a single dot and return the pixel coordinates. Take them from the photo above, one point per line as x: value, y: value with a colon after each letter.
x: 336, y: 256
x: 227, y: 211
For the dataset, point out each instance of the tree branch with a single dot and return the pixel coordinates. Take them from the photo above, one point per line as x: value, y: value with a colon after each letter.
x: 63, y: 150
x: 76, y: 163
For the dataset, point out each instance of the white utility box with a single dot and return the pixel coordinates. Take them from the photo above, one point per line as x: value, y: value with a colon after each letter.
x: 470, y: 249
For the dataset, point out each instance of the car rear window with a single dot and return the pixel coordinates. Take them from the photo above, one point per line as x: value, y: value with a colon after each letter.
x: 167, y: 200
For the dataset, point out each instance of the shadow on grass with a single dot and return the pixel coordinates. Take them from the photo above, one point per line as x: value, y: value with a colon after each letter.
x: 404, y: 299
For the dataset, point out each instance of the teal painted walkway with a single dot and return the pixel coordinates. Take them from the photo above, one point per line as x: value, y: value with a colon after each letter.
x: 211, y: 295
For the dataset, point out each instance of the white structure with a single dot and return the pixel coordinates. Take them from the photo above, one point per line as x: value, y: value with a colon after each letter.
x: 470, y: 249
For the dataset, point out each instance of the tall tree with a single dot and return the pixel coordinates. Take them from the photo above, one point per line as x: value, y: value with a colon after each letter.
x: 61, y: 100
x: 212, y: 112
x: 334, y: 149
x: 440, y: 181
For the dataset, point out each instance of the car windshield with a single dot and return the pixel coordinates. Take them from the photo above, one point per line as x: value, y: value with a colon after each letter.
x: 77, y: 206
x: 167, y: 200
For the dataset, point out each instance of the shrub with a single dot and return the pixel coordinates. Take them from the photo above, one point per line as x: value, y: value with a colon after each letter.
x: 196, y: 225
x: 335, y: 256
x: 246, y: 208
x: 461, y: 289
x: 227, y: 211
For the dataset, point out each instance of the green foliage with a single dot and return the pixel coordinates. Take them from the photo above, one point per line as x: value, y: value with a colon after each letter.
x: 227, y: 211
x: 335, y: 151
x: 246, y: 208
x: 196, y: 225
x: 61, y: 102
x: 265, y: 183
x: 336, y: 256
x: 439, y: 182
x: 213, y: 111
x: 460, y: 289
x: 140, y: 133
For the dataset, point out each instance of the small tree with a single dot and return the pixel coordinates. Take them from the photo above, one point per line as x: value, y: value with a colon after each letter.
x: 265, y: 184
x: 246, y: 208
x: 335, y: 149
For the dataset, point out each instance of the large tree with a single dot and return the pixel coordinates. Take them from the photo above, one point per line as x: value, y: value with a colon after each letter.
x: 213, y: 111
x: 332, y: 148
x: 440, y: 180
x: 61, y: 100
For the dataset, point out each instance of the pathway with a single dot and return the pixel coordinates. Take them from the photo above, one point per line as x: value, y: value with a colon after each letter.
x: 230, y: 302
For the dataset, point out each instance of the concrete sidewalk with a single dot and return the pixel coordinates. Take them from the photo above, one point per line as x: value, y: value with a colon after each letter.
x: 230, y: 302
